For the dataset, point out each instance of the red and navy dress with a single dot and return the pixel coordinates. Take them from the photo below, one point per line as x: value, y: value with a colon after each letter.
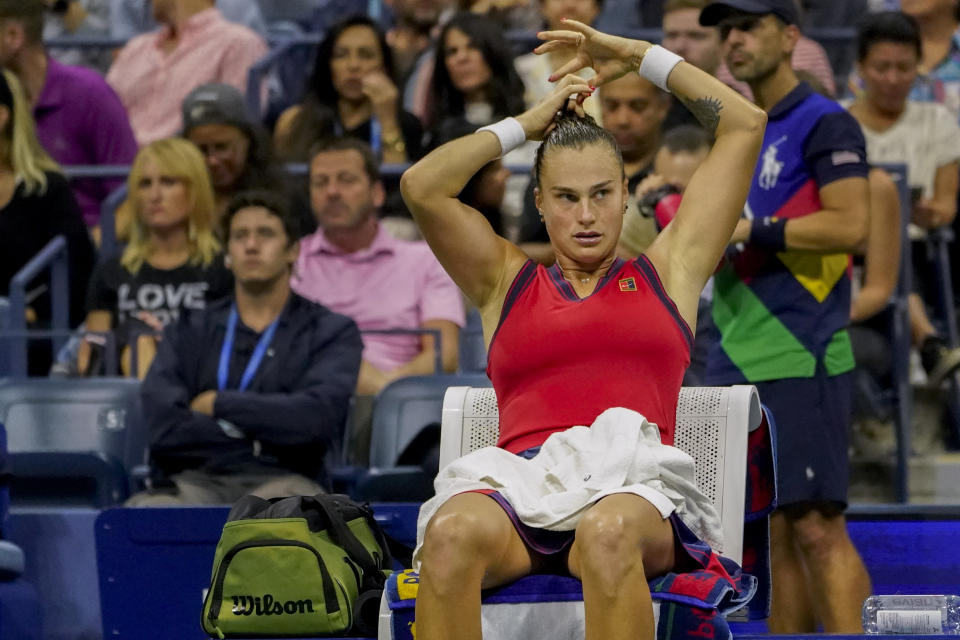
x: 558, y: 361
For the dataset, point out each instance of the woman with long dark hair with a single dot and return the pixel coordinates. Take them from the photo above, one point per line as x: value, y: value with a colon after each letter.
x: 474, y: 79
x: 350, y: 93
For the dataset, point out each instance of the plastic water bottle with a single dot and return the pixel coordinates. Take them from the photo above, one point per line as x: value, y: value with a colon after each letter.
x: 932, y: 615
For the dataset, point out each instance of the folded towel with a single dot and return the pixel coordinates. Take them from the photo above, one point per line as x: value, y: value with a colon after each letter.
x: 620, y: 453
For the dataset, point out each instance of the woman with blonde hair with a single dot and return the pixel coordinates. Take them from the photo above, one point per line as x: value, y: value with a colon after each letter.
x: 172, y: 260
x: 36, y: 205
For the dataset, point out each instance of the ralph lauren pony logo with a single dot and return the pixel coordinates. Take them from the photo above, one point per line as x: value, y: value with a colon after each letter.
x: 627, y: 284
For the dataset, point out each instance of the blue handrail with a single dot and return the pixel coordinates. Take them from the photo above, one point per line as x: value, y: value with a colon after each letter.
x: 52, y: 256
x: 293, y: 168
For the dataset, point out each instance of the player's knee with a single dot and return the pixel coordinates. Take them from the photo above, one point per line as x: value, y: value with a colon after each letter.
x: 456, y: 540
x: 610, y: 544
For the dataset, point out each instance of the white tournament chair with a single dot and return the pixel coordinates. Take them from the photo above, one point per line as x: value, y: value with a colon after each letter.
x: 712, y: 426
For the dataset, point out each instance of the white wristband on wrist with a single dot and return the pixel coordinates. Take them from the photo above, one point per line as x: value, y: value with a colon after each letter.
x: 509, y: 132
x: 657, y: 64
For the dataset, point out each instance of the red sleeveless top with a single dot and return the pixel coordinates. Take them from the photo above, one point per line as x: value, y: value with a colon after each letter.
x: 557, y: 361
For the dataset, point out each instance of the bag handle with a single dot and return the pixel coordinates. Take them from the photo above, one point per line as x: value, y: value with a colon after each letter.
x: 373, y: 577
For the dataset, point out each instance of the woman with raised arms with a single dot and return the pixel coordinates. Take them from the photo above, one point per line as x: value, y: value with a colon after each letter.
x: 570, y: 342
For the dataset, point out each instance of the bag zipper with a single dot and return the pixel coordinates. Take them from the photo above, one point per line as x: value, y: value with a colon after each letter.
x: 216, y: 593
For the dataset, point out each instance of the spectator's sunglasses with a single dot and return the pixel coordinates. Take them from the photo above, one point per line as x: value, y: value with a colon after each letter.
x: 742, y: 22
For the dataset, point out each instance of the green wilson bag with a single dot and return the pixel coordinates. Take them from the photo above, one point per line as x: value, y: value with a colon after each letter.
x: 297, y: 566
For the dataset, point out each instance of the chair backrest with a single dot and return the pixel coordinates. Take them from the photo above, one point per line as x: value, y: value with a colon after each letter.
x: 712, y: 426
x: 473, y: 352
x: 404, y: 407
x: 50, y: 419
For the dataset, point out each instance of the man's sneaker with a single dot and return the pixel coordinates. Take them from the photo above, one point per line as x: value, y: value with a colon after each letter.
x: 939, y: 360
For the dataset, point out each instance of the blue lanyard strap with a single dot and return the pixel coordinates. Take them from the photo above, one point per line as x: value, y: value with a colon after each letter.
x: 226, y: 351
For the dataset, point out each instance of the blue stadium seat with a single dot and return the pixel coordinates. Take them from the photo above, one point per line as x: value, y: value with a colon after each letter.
x: 473, y: 352
x: 405, y: 409
x: 109, y: 246
x: 72, y: 442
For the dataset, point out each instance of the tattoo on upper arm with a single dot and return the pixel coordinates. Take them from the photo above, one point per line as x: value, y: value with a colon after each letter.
x: 706, y: 111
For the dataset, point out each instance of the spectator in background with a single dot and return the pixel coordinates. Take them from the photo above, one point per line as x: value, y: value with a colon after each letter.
x: 258, y: 414
x: 808, y: 55
x: 682, y: 150
x: 939, y: 71
x: 172, y: 260
x: 237, y: 149
x: 877, y: 273
x: 79, y: 118
x: 476, y: 82
x: 699, y: 45
x: 79, y: 18
x: 535, y: 70
x: 36, y: 205
x: 412, y: 33
x: 782, y: 305
x: 924, y: 136
x: 354, y: 267
x: 350, y: 93
x: 195, y: 45
x: 130, y: 18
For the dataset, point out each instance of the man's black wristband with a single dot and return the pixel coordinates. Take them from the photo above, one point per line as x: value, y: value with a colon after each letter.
x: 769, y: 233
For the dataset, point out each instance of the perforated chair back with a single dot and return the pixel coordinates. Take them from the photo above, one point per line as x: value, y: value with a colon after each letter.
x: 73, y: 441
x: 712, y: 426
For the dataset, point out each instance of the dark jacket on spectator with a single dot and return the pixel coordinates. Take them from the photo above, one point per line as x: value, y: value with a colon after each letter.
x: 294, y: 409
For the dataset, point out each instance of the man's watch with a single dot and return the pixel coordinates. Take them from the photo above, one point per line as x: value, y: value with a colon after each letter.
x: 395, y: 143
x: 230, y: 430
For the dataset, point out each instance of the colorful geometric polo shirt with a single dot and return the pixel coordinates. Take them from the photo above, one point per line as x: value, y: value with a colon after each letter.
x: 784, y: 314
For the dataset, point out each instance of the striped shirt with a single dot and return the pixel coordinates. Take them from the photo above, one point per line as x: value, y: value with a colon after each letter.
x: 152, y: 82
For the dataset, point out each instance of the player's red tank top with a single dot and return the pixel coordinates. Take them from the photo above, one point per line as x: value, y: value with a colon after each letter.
x: 557, y: 361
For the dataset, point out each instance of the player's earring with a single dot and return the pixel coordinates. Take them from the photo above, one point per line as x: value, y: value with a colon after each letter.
x: 540, y: 211
x: 227, y: 262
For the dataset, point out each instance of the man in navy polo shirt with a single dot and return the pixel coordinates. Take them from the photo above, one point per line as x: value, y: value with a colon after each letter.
x: 782, y: 303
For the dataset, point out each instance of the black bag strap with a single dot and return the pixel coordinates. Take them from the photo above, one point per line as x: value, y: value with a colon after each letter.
x: 340, y: 533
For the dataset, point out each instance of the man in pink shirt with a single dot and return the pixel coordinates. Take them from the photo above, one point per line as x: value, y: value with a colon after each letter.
x: 354, y: 267
x: 195, y: 45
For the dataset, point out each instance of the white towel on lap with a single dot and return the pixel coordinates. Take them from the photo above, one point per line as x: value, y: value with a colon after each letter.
x: 620, y: 453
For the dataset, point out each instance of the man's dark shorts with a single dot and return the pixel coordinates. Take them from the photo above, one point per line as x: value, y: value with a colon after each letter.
x: 812, y: 417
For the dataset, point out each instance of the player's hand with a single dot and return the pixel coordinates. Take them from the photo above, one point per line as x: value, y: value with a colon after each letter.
x: 610, y: 56
x: 568, y: 94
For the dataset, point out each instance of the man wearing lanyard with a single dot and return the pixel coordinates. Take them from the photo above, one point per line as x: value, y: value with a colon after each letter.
x: 249, y: 395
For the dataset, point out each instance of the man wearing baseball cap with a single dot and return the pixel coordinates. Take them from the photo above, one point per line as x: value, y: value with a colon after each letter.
x: 782, y: 304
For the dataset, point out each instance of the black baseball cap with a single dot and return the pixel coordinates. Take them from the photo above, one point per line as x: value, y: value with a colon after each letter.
x: 216, y: 103
x: 715, y: 12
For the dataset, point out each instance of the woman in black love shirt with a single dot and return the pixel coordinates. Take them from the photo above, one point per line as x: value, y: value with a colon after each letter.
x: 173, y: 261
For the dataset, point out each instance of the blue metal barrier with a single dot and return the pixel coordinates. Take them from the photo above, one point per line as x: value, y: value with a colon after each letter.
x: 54, y: 256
